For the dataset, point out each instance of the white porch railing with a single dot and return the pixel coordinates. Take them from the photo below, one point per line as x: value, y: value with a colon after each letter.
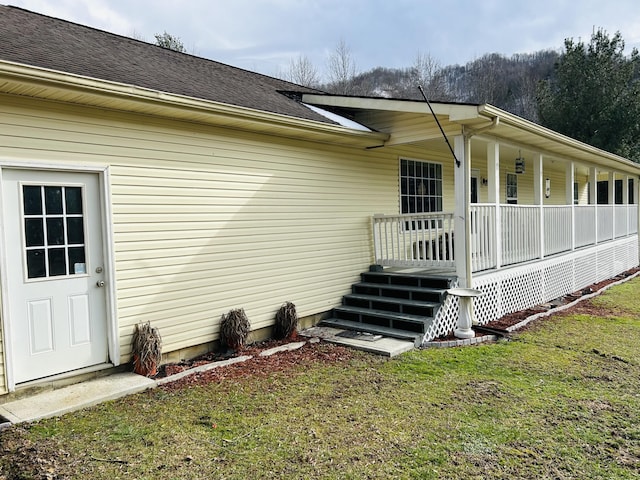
x: 420, y: 240
x: 532, y: 232
x: 526, y: 233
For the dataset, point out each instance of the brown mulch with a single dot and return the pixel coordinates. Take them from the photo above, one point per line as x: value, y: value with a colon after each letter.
x: 283, y: 363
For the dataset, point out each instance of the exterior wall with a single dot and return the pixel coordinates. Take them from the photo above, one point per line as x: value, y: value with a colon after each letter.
x: 206, y: 220
x: 3, y: 379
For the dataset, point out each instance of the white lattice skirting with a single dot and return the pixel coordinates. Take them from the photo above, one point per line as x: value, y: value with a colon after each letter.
x: 518, y: 288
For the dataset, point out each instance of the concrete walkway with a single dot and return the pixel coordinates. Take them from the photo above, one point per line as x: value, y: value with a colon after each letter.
x: 74, y: 397
x: 67, y: 399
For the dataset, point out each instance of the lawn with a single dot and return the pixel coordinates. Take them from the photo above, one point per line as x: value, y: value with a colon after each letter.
x: 560, y: 400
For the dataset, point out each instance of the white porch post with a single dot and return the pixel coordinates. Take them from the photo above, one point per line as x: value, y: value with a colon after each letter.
x: 569, y: 180
x: 593, y: 196
x: 636, y: 201
x: 462, y: 220
x: 625, y: 201
x: 493, y: 177
x: 612, y: 201
x: 538, y: 198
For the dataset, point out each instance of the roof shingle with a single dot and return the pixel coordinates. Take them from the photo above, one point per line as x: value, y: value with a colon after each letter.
x: 38, y: 40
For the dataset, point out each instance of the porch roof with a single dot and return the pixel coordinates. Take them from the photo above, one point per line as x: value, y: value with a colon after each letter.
x: 392, y: 115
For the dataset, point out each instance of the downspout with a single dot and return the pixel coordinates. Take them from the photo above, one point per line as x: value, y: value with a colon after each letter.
x: 467, y: 133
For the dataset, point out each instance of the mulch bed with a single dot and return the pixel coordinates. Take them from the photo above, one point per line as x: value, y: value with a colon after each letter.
x: 329, y: 353
x: 258, y: 366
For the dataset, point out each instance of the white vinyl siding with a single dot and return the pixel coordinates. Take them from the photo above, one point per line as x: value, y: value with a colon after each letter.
x: 206, y: 220
x: 3, y: 379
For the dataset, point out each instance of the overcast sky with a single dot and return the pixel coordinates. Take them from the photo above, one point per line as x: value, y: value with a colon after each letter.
x: 265, y: 35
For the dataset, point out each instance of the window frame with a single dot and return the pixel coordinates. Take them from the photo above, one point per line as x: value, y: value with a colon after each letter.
x: 404, y: 187
x: 511, y: 199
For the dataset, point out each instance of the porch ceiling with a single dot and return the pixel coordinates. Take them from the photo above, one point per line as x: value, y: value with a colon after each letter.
x: 410, y: 121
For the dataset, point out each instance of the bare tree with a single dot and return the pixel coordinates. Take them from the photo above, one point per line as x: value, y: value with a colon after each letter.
x: 341, y: 69
x: 426, y: 73
x: 303, y: 72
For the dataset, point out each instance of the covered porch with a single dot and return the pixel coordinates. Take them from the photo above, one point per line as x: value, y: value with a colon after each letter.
x: 496, y: 203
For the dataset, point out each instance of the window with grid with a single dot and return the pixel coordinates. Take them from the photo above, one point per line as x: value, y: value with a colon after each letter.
x: 512, y: 188
x: 54, y: 238
x: 420, y: 186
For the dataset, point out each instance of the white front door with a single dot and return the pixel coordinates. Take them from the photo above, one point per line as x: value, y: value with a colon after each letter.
x: 55, y: 272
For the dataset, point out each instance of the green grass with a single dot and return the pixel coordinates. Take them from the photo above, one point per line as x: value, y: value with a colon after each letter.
x: 559, y: 401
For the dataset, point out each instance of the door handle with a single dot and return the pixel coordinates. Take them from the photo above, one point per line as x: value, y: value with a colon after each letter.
x: 100, y: 283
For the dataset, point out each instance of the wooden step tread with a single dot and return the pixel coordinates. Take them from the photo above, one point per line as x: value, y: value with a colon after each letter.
x: 393, y: 300
x: 405, y: 317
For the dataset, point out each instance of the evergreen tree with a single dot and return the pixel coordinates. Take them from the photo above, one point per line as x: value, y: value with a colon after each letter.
x: 594, y: 95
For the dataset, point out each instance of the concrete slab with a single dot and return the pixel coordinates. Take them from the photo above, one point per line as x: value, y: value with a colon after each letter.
x: 386, y: 346
x: 74, y: 397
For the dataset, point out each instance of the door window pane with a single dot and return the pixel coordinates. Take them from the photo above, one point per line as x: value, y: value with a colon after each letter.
x: 75, y: 230
x: 33, y: 232
x: 57, y: 262
x: 53, y: 200
x: 55, y: 231
x: 35, y: 263
x: 73, y: 200
x: 32, y: 200
x: 76, y: 259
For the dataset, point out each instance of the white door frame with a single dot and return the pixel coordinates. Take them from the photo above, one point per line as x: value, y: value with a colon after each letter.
x: 109, y: 265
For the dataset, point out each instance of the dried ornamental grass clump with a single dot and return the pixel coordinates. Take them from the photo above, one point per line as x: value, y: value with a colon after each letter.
x: 147, y: 349
x: 234, y: 329
x: 286, y: 321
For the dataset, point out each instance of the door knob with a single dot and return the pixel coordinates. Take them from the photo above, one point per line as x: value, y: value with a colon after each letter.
x: 100, y: 283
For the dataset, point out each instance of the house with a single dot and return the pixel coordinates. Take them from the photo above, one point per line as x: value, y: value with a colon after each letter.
x: 141, y: 184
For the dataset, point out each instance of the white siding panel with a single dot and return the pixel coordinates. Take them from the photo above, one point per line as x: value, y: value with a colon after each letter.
x: 3, y: 378
x: 206, y: 219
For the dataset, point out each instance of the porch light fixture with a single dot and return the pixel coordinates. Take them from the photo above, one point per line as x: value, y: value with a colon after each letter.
x: 484, y: 181
x: 547, y: 187
x: 520, y: 163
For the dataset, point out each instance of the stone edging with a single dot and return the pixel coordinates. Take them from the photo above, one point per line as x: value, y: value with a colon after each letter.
x: 460, y: 342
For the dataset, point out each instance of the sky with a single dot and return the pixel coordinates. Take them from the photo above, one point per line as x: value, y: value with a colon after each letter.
x: 266, y: 35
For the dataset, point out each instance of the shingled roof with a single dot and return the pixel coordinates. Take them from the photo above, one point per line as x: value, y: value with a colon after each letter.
x: 38, y: 40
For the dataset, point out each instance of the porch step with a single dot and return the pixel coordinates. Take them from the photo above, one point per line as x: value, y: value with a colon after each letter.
x: 399, y: 321
x: 397, y: 305
x: 408, y: 279
x: 416, y: 338
x: 419, y: 294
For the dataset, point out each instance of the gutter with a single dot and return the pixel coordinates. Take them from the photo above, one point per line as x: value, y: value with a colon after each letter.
x: 598, y: 154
